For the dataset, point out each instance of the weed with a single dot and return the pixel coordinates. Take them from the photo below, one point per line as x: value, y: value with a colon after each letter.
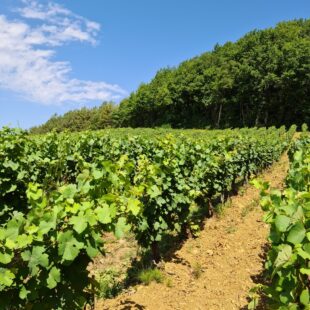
x: 241, y: 191
x: 220, y: 208
x: 169, y: 282
x: 108, y: 284
x: 197, y: 270
x: 231, y: 229
x: 150, y: 275
x: 129, y: 255
x: 250, y: 207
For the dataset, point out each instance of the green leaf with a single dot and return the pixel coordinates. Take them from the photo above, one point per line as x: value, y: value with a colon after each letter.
x: 12, y: 189
x: 298, y: 215
x: 163, y: 225
x: 154, y: 191
x: 68, y: 247
x: 297, y: 233
x: 282, y: 222
x: 304, y: 297
x: 134, y: 206
x: 307, y: 247
x: 68, y: 191
x: 6, y: 277
x: 13, y: 227
x: 91, y: 251
x: 103, y: 213
x: 121, y: 227
x: 305, y: 271
x: 79, y: 223
x: 23, y: 240
x: 23, y: 293
x: 10, y: 244
x: 2, y: 234
x: 36, y: 258
x: 283, y: 256
x: 97, y: 174
x: 34, y: 192
x: 5, y: 258
x: 53, y: 278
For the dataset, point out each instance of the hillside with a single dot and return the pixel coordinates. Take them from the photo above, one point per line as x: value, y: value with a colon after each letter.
x: 261, y: 80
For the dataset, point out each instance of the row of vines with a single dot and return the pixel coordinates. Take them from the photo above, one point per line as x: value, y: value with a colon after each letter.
x: 288, y: 214
x: 60, y: 193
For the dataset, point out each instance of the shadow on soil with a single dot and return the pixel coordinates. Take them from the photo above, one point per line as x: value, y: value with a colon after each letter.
x: 130, y: 305
x: 261, y: 278
x: 170, y: 244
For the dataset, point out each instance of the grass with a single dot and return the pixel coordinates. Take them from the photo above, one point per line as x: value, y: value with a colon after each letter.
x: 150, y: 275
x: 250, y: 207
x: 109, y: 284
x: 241, y: 191
x: 221, y: 207
x: 231, y: 229
x: 169, y: 282
x: 197, y: 270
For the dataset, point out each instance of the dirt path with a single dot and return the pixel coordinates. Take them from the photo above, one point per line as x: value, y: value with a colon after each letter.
x: 216, y: 270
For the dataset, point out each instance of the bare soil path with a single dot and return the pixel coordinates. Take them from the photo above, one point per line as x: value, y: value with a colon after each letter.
x: 217, y: 269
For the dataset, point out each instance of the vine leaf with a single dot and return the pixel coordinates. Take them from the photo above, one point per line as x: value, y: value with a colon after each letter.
x: 36, y: 258
x: 53, y: 278
x: 68, y: 247
x: 297, y: 233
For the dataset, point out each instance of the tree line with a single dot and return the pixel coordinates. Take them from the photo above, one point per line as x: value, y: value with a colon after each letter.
x: 82, y: 119
x: 263, y: 79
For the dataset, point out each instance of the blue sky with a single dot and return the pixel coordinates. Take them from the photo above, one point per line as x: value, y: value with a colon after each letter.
x: 60, y: 55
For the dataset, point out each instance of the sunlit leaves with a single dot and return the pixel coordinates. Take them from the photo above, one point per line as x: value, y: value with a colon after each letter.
x: 134, y: 206
x: 6, y: 278
x: 288, y: 214
x: 53, y: 278
x: 103, y: 213
x: 69, y: 248
x: 82, y: 186
x: 297, y: 233
x: 68, y: 191
x: 79, y: 223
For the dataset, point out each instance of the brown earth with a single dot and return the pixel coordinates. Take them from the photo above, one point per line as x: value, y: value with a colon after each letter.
x: 217, y: 269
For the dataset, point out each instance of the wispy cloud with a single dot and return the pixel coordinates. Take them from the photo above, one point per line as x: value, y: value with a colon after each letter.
x: 27, y: 50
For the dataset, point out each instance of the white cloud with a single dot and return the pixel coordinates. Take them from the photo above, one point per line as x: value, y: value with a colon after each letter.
x: 27, y: 65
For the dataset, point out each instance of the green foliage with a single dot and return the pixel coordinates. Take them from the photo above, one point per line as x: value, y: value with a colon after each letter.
x: 288, y: 213
x: 150, y: 275
x: 109, y: 284
x: 96, y: 118
x: 260, y: 80
x: 304, y: 128
x: 68, y: 189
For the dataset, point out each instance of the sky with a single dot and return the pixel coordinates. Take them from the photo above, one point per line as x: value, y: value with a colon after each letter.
x: 61, y: 55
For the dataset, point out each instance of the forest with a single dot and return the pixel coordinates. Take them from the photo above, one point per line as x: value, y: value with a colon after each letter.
x: 261, y: 80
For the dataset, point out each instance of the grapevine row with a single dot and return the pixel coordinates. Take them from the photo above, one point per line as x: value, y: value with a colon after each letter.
x: 60, y: 193
x: 288, y: 214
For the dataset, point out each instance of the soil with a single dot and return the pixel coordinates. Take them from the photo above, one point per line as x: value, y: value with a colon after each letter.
x: 217, y: 269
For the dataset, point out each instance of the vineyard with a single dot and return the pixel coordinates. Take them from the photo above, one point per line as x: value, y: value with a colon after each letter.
x: 61, y: 192
x: 288, y: 213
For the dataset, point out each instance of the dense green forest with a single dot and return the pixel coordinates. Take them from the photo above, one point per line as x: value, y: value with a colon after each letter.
x: 263, y: 79
x: 82, y: 119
